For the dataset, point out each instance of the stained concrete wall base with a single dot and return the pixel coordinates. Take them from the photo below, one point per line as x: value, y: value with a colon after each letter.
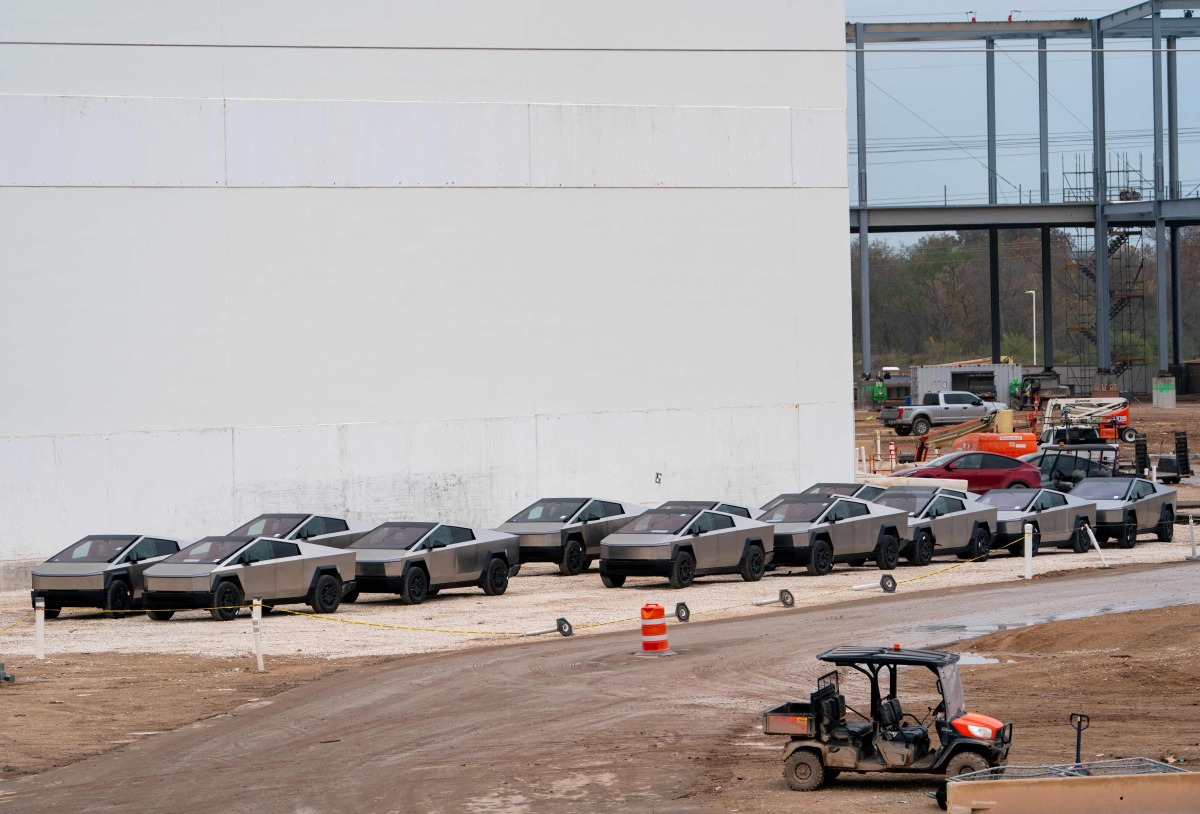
x: 17, y: 575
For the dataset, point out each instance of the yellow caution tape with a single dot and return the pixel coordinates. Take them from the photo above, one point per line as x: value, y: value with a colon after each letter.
x: 400, y: 627
x: 22, y: 620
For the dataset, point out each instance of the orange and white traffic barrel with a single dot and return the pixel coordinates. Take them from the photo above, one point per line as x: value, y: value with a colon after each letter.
x: 654, y: 631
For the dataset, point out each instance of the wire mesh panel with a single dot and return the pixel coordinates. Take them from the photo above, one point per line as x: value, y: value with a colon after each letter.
x: 1123, y: 766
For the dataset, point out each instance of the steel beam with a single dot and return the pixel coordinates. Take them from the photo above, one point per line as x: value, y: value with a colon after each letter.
x: 1135, y: 13
x: 994, y: 290
x: 1044, y: 162
x: 1160, y: 230
x: 864, y: 231
x: 1176, y: 301
x: 1173, y: 186
x: 1019, y: 30
x: 991, y: 120
x: 1100, y: 191
x: 1047, y: 302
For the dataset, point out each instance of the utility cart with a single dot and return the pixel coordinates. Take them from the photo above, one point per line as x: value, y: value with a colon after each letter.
x: 822, y: 743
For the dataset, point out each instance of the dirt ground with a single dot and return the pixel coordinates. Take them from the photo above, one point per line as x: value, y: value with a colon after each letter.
x: 1158, y: 424
x: 1132, y: 673
x: 66, y: 708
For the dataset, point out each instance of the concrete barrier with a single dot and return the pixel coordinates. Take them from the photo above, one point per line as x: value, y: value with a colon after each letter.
x: 1174, y: 793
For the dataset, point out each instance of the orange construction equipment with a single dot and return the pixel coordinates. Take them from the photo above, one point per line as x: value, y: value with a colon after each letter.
x: 1109, y: 415
x: 1012, y: 444
x: 654, y: 631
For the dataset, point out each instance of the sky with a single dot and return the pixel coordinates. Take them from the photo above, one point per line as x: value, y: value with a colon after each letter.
x: 927, y: 111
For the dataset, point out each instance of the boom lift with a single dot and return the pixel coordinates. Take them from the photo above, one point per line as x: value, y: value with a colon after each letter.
x: 1109, y: 415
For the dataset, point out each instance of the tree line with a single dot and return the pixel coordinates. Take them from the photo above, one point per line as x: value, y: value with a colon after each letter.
x: 929, y: 298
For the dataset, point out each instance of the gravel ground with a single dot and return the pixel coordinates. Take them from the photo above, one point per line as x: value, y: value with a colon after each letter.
x: 460, y: 618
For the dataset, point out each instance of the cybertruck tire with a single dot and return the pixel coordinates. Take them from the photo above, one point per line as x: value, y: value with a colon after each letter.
x: 683, y: 570
x: 415, y: 586
x: 227, y: 602
x: 495, y: 579
x: 327, y: 594
x: 574, y: 559
x: 887, y: 555
x: 754, y: 565
x: 118, y: 599
x: 612, y: 580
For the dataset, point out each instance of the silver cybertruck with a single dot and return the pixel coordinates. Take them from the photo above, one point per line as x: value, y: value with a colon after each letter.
x: 1057, y: 518
x: 222, y: 574
x: 100, y: 571
x: 816, y: 530
x: 1127, y: 506
x: 683, y: 539
x: 416, y: 560
x: 942, y: 521
x: 567, y: 530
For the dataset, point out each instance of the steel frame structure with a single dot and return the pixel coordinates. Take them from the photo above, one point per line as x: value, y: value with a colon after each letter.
x: 1166, y: 212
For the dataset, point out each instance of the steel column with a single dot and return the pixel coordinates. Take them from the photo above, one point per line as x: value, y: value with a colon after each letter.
x: 1160, y: 229
x: 1174, y: 191
x: 993, y: 234
x: 1044, y: 160
x: 1173, y: 186
x: 864, y: 238
x: 1100, y: 191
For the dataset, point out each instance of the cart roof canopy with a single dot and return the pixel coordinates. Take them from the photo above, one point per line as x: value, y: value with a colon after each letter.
x: 887, y: 655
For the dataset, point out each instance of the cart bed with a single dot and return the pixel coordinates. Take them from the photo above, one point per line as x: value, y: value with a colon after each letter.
x: 793, y: 718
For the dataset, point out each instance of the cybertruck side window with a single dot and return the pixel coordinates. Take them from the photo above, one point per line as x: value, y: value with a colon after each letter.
x: 856, y: 509
x: 944, y: 505
x: 142, y: 551
x: 738, y: 510
x: 591, y: 512
x: 258, y: 552
x: 721, y: 521
x: 460, y: 535
x: 163, y: 548
x: 334, y: 525
x: 439, y: 538
x: 313, y: 528
x: 282, y: 548
x: 702, y: 524
x: 608, y: 509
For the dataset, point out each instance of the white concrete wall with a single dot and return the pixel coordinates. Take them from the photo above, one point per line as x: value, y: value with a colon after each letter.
x: 415, y: 281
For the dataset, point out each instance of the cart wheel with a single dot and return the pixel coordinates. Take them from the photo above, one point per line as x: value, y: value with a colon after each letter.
x: 965, y: 763
x: 803, y: 771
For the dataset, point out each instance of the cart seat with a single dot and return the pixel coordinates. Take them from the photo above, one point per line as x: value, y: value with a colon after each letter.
x: 851, y: 731
x: 890, y: 715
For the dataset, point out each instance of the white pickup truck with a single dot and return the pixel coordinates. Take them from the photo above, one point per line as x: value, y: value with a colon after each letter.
x: 938, y: 409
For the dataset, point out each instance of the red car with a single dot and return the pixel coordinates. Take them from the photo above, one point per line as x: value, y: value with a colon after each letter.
x: 983, y: 471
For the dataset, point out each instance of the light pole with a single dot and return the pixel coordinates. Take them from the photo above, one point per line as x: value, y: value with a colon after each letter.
x: 1033, y: 313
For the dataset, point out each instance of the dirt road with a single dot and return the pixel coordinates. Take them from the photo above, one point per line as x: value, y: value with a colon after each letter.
x: 575, y: 725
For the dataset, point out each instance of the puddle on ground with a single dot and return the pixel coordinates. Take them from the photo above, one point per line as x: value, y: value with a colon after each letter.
x: 969, y: 631
x: 975, y: 658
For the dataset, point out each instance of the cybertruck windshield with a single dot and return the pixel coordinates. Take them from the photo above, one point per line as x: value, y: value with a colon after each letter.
x: 1016, y: 501
x: 94, y: 549
x: 551, y: 510
x: 795, y: 511
x: 393, y: 536
x: 1103, y: 489
x: 659, y: 521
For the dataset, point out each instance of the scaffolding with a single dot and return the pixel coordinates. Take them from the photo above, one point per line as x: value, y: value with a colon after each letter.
x: 1126, y: 251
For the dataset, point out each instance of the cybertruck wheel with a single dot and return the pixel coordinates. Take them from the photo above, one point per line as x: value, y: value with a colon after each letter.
x: 326, y: 595
x: 755, y: 564
x: 1080, y: 542
x: 803, y: 771
x: 683, y: 570
x: 573, y: 559
x: 612, y: 580
x: 495, y: 580
x: 118, y: 599
x: 1165, y: 531
x: 227, y: 601
x: 887, y: 556
x: 160, y: 615
x: 1127, y: 536
x: 921, y: 552
x: 1017, y: 547
x: 980, y: 547
x: 415, y: 586
x: 820, y: 558
x: 52, y: 613
x: 348, y: 598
